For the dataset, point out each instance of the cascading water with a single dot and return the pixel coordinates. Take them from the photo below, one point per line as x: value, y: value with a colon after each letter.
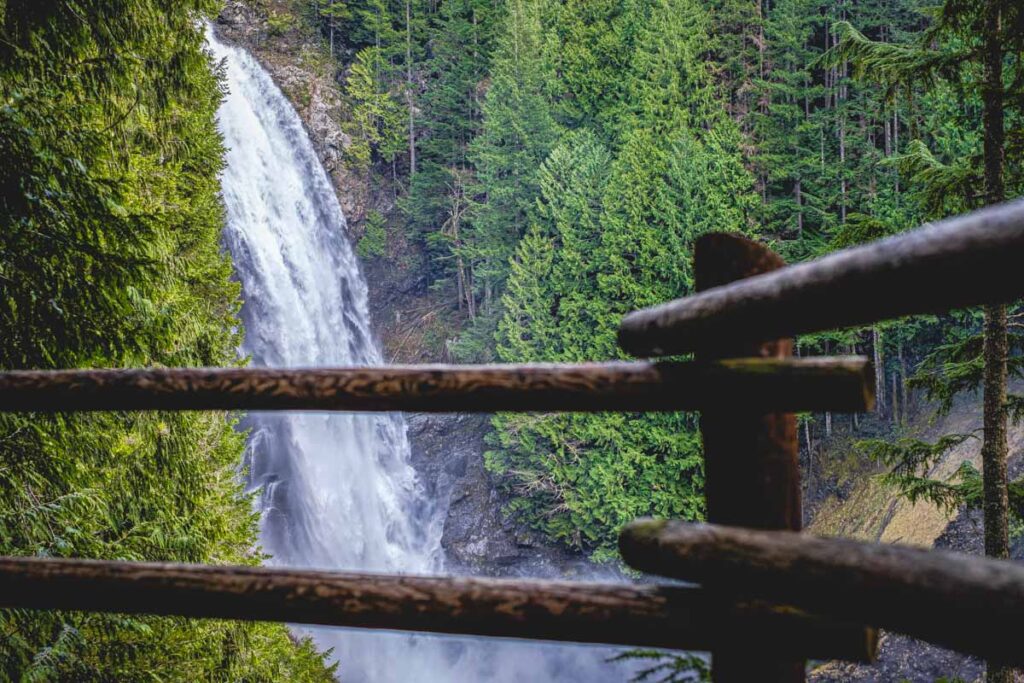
x: 337, y: 490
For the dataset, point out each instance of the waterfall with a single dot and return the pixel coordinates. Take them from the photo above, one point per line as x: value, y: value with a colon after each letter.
x: 336, y: 490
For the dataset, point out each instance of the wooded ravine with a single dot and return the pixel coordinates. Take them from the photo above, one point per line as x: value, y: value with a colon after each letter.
x: 298, y: 183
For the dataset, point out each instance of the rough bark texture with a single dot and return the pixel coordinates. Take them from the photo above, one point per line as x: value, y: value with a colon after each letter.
x: 794, y: 384
x: 649, y: 616
x: 961, y: 602
x: 963, y: 261
x: 993, y: 451
x: 752, y: 475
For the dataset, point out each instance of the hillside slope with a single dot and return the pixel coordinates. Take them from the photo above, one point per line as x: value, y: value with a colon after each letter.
x: 859, y: 506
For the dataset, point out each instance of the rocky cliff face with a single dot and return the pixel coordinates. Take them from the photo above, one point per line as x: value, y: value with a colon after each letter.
x: 478, y: 539
x: 300, y: 70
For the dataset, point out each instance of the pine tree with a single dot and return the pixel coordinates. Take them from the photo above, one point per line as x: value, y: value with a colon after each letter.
x: 989, y: 34
x: 518, y: 133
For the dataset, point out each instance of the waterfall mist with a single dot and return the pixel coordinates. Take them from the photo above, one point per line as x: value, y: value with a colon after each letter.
x: 337, y: 491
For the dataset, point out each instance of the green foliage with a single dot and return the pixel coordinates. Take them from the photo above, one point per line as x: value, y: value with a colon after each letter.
x: 569, y: 154
x: 376, y: 119
x: 667, y: 668
x: 518, y: 133
x: 944, y: 164
x: 607, y: 236
x: 910, y: 463
x: 374, y: 241
x: 280, y: 23
x: 109, y: 256
x: 439, y: 202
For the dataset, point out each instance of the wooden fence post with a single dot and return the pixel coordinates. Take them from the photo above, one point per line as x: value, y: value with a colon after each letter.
x: 751, y: 468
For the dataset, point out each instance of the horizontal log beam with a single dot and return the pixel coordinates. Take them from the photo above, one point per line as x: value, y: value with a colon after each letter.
x: 635, y: 615
x: 839, y: 384
x: 963, y: 261
x: 966, y: 603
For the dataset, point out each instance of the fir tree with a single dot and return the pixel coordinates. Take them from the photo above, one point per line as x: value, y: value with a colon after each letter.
x: 518, y: 133
x: 554, y: 311
x: 376, y: 123
x: 989, y: 35
x: 450, y: 118
x: 110, y: 223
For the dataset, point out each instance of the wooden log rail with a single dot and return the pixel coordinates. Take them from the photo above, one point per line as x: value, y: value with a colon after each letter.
x: 748, y: 305
x: 751, y: 468
x: 971, y: 604
x: 963, y: 261
x: 621, y: 614
x: 838, y: 384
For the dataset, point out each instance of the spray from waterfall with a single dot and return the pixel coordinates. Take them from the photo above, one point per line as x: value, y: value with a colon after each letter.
x: 337, y: 491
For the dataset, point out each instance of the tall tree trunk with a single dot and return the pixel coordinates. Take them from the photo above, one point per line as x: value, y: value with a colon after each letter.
x: 408, y: 87
x: 993, y: 449
x: 876, y: 346
x: 842, y: 167
x: 904, y: 399
x: 798, y: 191
x: 810, y: 456
x: 894, y: 401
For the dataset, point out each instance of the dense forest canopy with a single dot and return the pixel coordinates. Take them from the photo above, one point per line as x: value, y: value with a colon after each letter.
x: 568, y: 153
x: 556, y: 160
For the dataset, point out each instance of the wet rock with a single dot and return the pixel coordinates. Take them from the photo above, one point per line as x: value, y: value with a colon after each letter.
x: 310, y: 82
x: 447, y: 452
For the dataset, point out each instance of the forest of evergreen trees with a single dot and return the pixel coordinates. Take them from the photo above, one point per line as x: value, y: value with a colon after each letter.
x: 556, y: 159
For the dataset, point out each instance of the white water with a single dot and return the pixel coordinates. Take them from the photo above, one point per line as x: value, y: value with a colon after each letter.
x: 337, y: 490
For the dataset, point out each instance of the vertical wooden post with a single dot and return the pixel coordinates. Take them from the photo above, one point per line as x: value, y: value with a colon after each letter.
x: 751, y: 468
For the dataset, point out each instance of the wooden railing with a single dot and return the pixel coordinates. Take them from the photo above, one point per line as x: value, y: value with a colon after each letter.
x: 768, y: 597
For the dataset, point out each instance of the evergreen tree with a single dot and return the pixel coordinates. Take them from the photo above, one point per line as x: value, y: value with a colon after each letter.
x: 376, y: 121
x: 553, y: 311
x: 988, y: 36
x: 109, y: 256
x: 518, y: 132
x: 450, y: 118
x: 593, y: 44
x: 611, y: 234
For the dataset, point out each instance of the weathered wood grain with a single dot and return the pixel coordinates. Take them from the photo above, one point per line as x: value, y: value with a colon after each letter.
x: 963, y: 261
x: 751, y: 472
x: 637, y: 615
x: 966, y: 603
x: 840, y: 384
